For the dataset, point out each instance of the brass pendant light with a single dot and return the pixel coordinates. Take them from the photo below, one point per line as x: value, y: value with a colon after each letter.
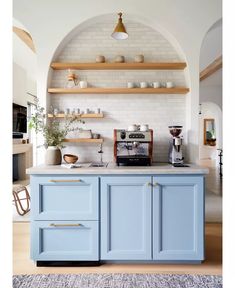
x: 119, y: 32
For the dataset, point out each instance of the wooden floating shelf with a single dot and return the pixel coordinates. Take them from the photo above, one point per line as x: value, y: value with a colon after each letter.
x: 90, y: 115
x: 119, y: 66
x: 175, y: 90
x: 83, y: 140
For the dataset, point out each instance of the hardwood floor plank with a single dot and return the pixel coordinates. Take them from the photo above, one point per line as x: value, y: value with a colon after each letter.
x: 212, y: 265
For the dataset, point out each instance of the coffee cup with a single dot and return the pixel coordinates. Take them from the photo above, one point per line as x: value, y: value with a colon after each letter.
x: 130, y: 85
x: 144, y: 127
x: 143, y: 84
x: 83, y: 84
x: 169, y: 84
x: 132, y: 127
x: 156, y: 84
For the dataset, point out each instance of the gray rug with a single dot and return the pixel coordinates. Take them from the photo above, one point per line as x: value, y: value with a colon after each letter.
x: 116, y: 281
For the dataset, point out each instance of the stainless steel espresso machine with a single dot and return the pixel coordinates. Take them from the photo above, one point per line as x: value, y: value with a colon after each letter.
x: 133, y: 148
x: 175, y: 151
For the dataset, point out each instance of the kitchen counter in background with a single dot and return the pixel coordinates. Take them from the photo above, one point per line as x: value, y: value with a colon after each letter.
x: 112, y: 168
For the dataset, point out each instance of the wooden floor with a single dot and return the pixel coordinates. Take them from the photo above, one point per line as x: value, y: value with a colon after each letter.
x: 212, y: 265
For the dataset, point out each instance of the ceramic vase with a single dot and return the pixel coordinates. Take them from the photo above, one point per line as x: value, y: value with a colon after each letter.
x: 53, y: 156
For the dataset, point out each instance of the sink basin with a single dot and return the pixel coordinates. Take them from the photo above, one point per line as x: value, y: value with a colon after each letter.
x: 98, y: 165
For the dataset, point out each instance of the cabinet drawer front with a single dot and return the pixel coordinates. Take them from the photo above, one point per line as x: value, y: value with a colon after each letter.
x: 64, y: 240
x: 126, y: 218
x: 64, y: 198
x: 178, y: 218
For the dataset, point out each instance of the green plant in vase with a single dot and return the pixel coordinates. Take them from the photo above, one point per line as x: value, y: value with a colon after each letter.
x: 53, y: 131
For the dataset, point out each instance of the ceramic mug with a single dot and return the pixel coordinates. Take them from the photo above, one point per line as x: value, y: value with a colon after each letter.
x: 132, y: 127
x: 143, y: 84
x: 130, y: 85
x: 156, y: 84
x: 144, y: 127
x: 83, y: 84
x: 169, y: 84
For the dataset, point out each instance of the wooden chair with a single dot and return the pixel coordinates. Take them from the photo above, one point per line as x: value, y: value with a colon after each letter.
x: 19, y: 191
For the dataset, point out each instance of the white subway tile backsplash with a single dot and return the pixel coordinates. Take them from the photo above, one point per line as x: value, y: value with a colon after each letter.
x: 158, y: 111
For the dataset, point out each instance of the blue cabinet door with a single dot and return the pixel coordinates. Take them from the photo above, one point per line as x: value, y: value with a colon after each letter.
x: 178, y: 218
x: 126, y: 218
x: 64, y: 240
x: 58, y: 197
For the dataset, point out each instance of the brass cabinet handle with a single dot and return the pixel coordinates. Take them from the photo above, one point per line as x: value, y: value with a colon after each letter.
x: 149, y: 184
x: 65, y: 180
x: 65, y: 225
x: 155, y: 184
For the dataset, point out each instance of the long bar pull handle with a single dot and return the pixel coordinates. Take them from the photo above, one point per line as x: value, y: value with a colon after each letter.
x: 65, y: 180
x: 65, y: 225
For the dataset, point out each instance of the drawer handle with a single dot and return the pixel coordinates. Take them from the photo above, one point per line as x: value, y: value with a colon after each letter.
x: 149, y: 184
x: 65, y: 225
x: 65, y: 180
x: 155, y: 184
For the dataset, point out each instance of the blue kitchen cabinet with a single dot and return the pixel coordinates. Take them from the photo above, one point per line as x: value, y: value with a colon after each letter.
x: 126, y: 218
x: 178, y: 218
x: 59, y: 197
x: 64, y: 218
x: 64, y: 240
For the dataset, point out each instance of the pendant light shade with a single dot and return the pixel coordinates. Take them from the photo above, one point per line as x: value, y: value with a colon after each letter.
x: 119, y: 32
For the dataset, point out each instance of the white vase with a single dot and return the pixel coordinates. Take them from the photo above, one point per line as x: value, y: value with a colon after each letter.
x: 53, y: 156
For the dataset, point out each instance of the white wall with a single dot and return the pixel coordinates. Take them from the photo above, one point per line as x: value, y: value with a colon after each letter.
x: 178, y: 20
x: 23, y: 87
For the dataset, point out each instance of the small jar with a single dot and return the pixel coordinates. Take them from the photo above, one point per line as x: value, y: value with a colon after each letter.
x: 100, y: 59
x: 139, y: 58
x: 119, y: 59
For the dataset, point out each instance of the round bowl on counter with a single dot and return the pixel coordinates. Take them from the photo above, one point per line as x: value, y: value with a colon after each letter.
x: 70, y: 159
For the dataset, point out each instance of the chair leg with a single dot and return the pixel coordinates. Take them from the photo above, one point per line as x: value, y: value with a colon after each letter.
x: 19, y: 207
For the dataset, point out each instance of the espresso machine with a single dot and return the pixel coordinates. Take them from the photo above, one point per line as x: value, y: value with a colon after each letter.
x: 133, y: 148
x: 175, y: 151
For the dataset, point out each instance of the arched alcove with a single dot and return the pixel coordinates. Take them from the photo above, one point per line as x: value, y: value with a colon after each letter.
x: 211, y: 90
x: 93, y: 38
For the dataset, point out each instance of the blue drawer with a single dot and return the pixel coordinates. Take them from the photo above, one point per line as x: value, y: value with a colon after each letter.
x: 64, y: 240
x: 64, y: 198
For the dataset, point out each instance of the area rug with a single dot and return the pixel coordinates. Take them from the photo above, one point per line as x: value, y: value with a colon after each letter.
x: 116, y: 281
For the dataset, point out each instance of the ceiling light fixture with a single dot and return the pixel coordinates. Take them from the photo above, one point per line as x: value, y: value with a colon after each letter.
x: 119, y: 32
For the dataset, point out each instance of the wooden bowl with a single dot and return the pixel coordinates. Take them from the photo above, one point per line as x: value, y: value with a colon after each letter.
x: 70, y: 159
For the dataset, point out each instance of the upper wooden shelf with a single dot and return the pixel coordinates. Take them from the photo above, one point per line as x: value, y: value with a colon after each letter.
x: 90, y: 115
x: 120, y: 66
x: 175, y: 90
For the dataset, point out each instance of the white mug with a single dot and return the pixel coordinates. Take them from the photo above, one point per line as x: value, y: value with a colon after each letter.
x: 169, y: 84
x: 143, y: 84
x: 83, y: 84
x: 132, y: 127
x: 67, y: 111
x: 144, y: 127
x: 130, y: 85
x: 156, y: 84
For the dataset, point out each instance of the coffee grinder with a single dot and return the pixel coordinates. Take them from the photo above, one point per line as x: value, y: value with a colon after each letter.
x: 175, y: 151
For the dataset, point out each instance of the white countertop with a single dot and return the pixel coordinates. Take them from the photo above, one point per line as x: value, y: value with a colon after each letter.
x: 112, y: 168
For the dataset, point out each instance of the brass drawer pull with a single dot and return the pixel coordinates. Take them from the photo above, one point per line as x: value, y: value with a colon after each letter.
x: 65, y: 225
x: 155, y: 184
x: 65, y: 180
x: 149, y: 184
